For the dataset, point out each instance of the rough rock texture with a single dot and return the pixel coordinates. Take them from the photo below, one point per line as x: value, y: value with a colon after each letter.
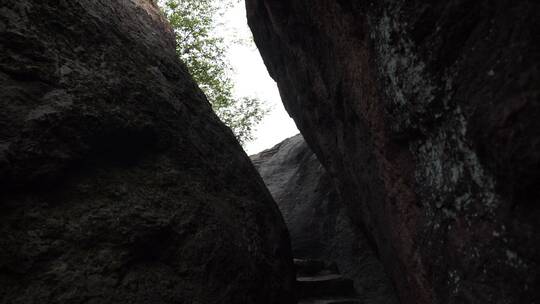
x: 426, y: 114
x: 118, y: 183
x: 317, y: 219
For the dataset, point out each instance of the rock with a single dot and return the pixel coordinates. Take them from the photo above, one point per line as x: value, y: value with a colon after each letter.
x: 426, y: 117
x: 304, y: 193
x: 331, y: 300
x: 118, y: 182
x: 310, y: 267
x: 318, y: 221
x: 316, y: 279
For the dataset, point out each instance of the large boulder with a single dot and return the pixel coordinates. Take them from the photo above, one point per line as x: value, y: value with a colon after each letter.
x: 426, y: 115
x: 317, y: 219
x: 118, y: 182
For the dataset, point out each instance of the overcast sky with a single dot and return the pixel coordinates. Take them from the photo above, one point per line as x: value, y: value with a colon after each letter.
x: 252, y: 79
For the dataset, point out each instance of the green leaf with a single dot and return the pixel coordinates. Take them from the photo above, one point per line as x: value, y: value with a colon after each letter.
x: 204, y: 53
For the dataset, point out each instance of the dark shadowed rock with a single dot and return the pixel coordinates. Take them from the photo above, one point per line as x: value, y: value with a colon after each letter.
x: 426, y: 115
x: 317, y: 220
x: 118, y: 182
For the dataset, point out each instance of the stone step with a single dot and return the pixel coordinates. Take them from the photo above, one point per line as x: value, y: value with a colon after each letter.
x: 330, y: 300
x: 310, y: 267
x: 324, y: 285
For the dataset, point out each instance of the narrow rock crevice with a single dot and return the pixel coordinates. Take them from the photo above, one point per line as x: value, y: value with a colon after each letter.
x: 320, y: 227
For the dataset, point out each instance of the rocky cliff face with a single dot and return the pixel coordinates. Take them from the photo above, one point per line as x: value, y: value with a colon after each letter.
x: 426, y: 115
x: 317, y: 219
x: 118, y: 183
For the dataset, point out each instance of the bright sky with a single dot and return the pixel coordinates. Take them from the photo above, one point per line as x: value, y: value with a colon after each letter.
x: 252, y: 79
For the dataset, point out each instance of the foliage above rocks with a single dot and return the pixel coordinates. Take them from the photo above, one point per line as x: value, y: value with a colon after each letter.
x: 201, y: 45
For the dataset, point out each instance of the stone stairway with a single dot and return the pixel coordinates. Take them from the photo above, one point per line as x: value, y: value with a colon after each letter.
x: 320, y: 283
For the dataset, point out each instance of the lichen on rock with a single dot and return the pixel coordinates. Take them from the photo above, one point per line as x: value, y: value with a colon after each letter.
x: 425, y: 114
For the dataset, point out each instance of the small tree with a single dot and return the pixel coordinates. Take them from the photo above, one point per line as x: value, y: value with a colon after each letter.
x: 204, y: 51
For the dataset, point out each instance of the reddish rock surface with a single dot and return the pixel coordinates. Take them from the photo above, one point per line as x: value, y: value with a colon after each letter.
x: 427, y: 116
